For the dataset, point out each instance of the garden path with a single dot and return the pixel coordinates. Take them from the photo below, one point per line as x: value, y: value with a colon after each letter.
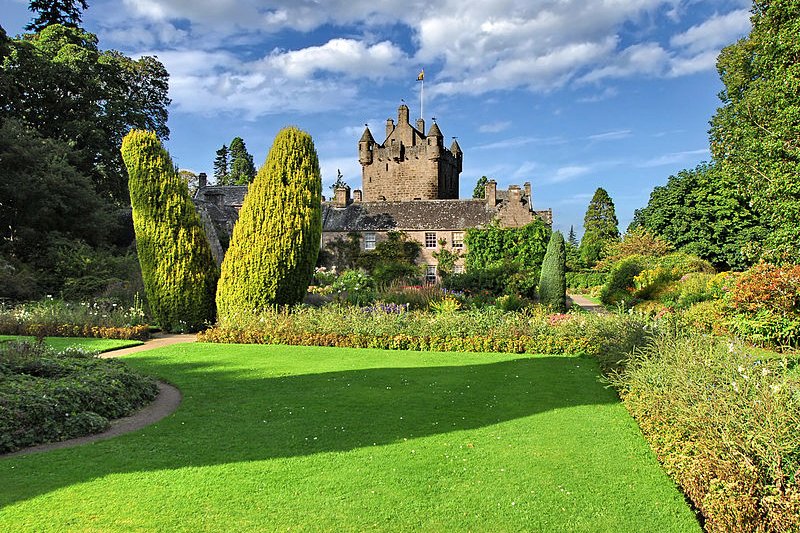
x: 587, y: 304
x: 158, y: 340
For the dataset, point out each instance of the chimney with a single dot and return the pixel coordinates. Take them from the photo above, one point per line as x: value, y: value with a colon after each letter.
x: 421, y: 125
x: 202, y: 180
x: 341, y: 196
x: 357, y: 195
x: 491, y: 193
x: 514, y: 194
x: 389, y: 126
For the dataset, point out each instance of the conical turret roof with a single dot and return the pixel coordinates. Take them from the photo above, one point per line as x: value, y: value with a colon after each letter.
x: 455, y: 148
x: 435, y: 131
x: 367, y: 136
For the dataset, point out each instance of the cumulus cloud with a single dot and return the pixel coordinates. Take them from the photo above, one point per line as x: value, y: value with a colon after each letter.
x: 714, y: 33
x: 345, y: 56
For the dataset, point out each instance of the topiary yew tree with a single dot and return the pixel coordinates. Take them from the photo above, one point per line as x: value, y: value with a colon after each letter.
x: 553, y: 279
x: 276, y: 241
x: 178, y: 270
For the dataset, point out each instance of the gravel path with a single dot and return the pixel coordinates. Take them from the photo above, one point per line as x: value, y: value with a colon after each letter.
x: 167, y: 401
x: 587, y: 304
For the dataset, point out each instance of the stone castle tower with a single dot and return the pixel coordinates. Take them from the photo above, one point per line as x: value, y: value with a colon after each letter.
x: 409, y: 165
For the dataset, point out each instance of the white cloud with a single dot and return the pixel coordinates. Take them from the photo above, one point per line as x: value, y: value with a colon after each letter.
x: 567, y: 173
x: 345, y: 56
x: 673, y: 158
x: 714, y: 33
x: 495, y: 127
x: 610, y: 135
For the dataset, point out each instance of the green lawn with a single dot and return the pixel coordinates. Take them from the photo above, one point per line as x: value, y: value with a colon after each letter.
x: 321, y: 439
x: 59, y: 343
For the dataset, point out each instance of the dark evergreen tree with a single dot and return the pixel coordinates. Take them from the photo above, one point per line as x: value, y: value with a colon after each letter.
x: 49, y: 12
x: 221, y: 164
x: 178, y: 270
x: 275, y: 243
x: 553, y: 279
x: 600, y: 227
x: 572, y: 240
x: 242, y: 170
x: 480, y: 187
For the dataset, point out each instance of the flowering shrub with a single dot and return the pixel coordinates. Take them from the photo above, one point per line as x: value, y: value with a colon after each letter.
x: 726, y: 426
x: 354, y: 287
x: 52, y: 318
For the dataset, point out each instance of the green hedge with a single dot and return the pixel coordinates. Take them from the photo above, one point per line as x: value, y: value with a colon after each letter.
x: 585, y: 280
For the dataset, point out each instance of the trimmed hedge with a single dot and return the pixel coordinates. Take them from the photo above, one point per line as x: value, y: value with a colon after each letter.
x: 540, y: 344
x: 49, y: 396
x: 12, y: 327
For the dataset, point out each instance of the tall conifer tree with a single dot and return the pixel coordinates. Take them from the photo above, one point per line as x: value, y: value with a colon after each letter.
x: 48, y: 12
x: 600, y: 226
x: 242, y: 170
x: 553, y: 279
x: 178, y: 270
x: 275, y: 243
x: 221, y: 165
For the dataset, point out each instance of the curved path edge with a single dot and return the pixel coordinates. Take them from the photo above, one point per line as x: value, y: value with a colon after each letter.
x: 166, y: 403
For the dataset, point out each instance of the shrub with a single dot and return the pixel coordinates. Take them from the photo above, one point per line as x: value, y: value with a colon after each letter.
x: 275, y: 242
x: 178, y: 270
x: 725, y: 425
x: 48, y: 396
x: 585, y: 280
x: 620, y: 280
x: 354, y: 287
x: 553, y: 281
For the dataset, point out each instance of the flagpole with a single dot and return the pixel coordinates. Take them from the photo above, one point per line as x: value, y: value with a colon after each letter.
x: 421, y: 98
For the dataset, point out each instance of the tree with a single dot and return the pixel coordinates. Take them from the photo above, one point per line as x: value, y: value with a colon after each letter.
x: 221, y: 166
x: 572, y: 240
x: 704, y: 212
x: 600, y: 227
x: 392, y: 259
x: 48, y: 12
x: 178, y: 270
x: 480, y: 187
x: 553, y: 279
x: 192, y: 180
x: 275, y: 243
x: 242, y: 169
x: 755, y: 135
x: 59, y: 83
x: 339, y: 181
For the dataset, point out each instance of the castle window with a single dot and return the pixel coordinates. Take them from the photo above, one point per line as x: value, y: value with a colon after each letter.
x: 369, y: 241
x: 430, y: 239
x: 430, y: 273
x: 458, y: 239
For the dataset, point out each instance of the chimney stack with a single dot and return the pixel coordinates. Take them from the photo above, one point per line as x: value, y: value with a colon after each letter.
x: 341, y: 196
x: 514, y: 194
x: 357, y: 195
x: 202, y: 180
x: 491, y: 193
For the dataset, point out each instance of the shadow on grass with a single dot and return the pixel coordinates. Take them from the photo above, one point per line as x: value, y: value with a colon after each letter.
x: 231, y: 415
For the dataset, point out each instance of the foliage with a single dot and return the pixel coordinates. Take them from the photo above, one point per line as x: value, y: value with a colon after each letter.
x: 480, y: 187
x: 393, y: 259
x: 702, y: 212
x: 64, y: 12
x: 636, y: 241
x: 341, y: 253
x: 58, y: 82
x: 524, y: 247
x: 553, y: 281
x: 275, y: 242
x: 600, y: 227
x: 446, y: 258
x: 725, y: 425
x: 242, y: 169
x: 354, y: 287
x: 222, y: 165
x: 50, y: 396
x: 618, y: 286
x: 339, y: 183
x: 493, y: 279
x: 445, y: 306
x: 754, y: 135
x: 178, y: 270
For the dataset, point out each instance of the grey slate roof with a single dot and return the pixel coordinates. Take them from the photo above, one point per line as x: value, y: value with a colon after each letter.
x: 407, y: 215
x: 232, y: 194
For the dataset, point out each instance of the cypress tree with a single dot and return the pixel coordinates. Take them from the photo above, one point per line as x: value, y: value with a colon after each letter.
x: 178, y: 270
x: 553, y: 279
x: 221, y: 166
x: 276, y: 240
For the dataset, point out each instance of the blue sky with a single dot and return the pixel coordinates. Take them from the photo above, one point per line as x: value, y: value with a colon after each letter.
x: 570, y: 95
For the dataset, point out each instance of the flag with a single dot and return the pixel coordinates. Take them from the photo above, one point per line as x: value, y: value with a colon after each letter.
x: 421, y: 75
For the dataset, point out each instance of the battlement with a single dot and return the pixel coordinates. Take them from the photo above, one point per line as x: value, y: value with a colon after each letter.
x: 409, y: 164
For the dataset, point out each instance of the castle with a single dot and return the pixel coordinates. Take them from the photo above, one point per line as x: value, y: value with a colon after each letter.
x: 410, y: 184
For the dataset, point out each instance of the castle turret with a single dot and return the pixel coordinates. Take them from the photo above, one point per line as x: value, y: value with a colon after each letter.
x: 435, y: 142
x: 365, y: 145
x: 402, y: 115
x: 455, y: 149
